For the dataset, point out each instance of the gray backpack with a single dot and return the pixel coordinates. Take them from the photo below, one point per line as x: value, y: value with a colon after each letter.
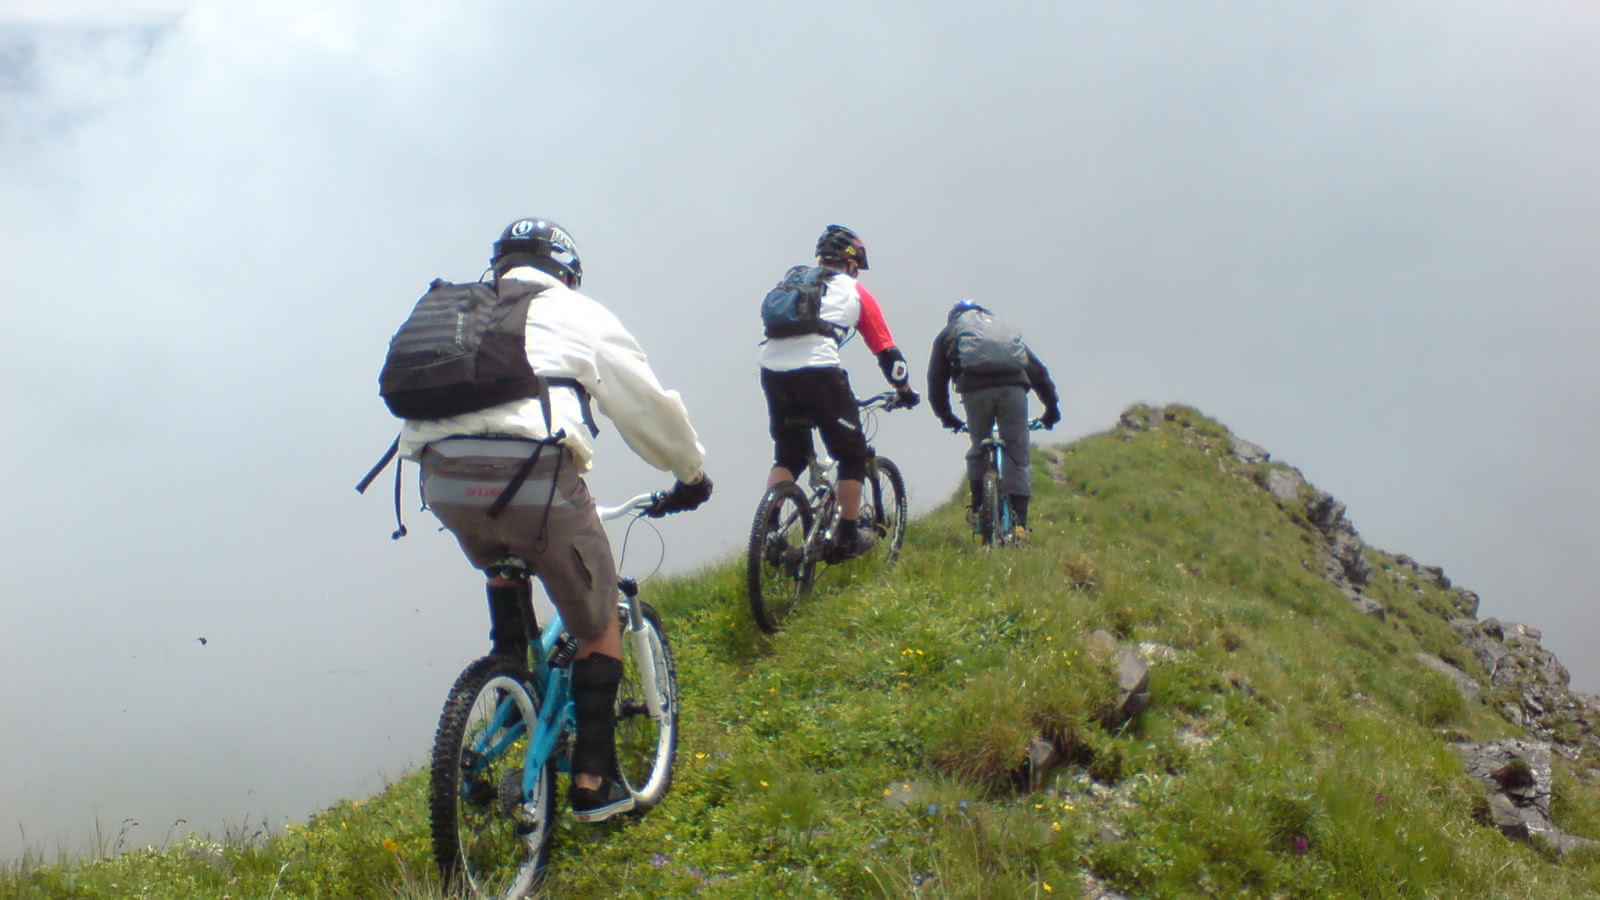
x: 985, y: 345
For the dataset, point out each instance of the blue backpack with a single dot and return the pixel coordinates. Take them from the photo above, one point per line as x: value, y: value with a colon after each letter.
x: 794, y: 306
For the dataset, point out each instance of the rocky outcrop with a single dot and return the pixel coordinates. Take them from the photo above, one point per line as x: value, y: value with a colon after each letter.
x: 1533, y: 684
x: 1519, y: 779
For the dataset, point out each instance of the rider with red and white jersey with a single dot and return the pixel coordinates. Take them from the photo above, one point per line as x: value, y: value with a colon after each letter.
x: 804, y: 380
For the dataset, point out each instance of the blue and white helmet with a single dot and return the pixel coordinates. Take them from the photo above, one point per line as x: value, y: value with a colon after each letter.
x: 542, y: 244
x: 966, y: 304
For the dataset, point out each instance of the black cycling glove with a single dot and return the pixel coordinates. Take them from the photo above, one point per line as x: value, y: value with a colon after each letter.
x: 681, y: 498
x: 951, y: 422
x: 1051, y: 417
x: 908, y: 399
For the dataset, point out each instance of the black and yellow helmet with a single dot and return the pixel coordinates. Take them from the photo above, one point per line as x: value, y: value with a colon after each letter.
x: 840, y: 244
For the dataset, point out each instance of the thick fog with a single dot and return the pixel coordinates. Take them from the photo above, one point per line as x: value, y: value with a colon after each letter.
x: 1359, y: 234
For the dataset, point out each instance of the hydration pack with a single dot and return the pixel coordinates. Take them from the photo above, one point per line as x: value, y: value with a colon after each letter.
x: 985, y: 345
x: 462, y: 349
x: 794, y: 306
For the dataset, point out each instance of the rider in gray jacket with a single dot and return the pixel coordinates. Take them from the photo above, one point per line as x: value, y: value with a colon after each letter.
x: 992, y: 390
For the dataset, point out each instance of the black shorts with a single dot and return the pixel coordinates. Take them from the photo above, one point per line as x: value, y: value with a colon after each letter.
x: 798, y: 399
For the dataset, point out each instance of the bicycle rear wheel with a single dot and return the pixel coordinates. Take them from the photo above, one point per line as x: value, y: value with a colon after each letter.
x: 489, y: 836
x: 989, y: 523
x: 778, y: 569
x: 646, y: 745
x: 885, y: 507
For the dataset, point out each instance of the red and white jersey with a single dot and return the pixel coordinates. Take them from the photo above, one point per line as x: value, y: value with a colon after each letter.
x: 846, y: 303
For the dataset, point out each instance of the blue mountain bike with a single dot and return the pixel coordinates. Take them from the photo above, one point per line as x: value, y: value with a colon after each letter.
x: 507, y: 729
x: 994, y: 520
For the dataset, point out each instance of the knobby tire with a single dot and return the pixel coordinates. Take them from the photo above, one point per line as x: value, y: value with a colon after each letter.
x: 778, y: 568
x: 887, y: 493
x: 478, y: 822
x: 989, y: 510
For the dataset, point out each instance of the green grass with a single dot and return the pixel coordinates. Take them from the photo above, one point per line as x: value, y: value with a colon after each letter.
x: 1294, y: 747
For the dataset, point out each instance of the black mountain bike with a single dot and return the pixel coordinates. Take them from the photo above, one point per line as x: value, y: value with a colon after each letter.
x: 995, y: 521
x: 793, y: 529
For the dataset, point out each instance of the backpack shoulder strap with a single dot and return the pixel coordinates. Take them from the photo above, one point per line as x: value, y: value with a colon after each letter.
x: 372, y: 474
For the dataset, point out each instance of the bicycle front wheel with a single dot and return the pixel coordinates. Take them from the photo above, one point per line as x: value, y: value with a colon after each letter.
x: 778, y: 570
x: 647, y: 744
x: 886, y: 507
x: 491, y: 832
x: 989, y: 523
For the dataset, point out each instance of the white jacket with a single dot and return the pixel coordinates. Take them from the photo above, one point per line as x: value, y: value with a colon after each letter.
x: 571, y: 336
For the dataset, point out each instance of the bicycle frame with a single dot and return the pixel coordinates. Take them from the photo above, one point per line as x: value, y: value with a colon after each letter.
x: 994, y: 450
x: 822, y: 475
x: 552, y: 678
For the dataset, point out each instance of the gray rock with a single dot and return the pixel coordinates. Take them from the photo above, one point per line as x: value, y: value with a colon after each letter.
x: 1369, y: 606
x: 1154, y: 652
x: 1284, y: 484
x: 1249, y: 452
x: 1470, y: 689
x: 1518, y: 777
x: 1092, y: 888
x: 1326, y: 513
x: 1103, y: 641
x: 1133, y: 686
x: 1041, y: 757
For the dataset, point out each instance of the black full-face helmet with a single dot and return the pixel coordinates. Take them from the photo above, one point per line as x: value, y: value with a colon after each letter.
x: 539, y: 243
x: 840, y: 244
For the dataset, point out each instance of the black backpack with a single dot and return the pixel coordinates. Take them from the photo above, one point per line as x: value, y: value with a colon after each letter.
x: 794, y: 306
x: 461, y: 350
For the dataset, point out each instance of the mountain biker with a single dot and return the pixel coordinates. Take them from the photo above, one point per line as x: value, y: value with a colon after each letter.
x: 993, y: 384
x: 582, y: 352
x: 803, y: 379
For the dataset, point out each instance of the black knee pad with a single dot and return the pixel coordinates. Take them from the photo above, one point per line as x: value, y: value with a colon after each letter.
x: 853, y: 469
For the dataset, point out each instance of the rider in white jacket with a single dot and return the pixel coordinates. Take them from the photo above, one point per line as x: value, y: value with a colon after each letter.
x: 571, y: 336
x: 582, y: 354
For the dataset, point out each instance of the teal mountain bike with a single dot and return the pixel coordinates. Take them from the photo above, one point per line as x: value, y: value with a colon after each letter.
x: 507, y: 729
x: 794, y: 528
x: 995, y: 521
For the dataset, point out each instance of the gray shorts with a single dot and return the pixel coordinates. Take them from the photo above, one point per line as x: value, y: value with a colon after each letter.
x: 568, y: 550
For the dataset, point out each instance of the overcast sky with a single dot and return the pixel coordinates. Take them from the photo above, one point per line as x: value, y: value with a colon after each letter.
x: 1359, y: 234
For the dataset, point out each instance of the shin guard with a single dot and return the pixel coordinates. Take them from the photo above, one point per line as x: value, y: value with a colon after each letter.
x: 594, y: 698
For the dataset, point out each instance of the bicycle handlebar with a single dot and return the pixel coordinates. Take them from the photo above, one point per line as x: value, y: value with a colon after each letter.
x: 635, y: 505
x: 885, y: 401
x: 1035, y: 425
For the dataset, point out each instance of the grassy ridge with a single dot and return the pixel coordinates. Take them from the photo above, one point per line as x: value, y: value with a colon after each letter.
x: 1293, y: 747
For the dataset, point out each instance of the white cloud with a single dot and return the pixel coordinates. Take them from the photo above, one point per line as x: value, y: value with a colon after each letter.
x: 95, y: 13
